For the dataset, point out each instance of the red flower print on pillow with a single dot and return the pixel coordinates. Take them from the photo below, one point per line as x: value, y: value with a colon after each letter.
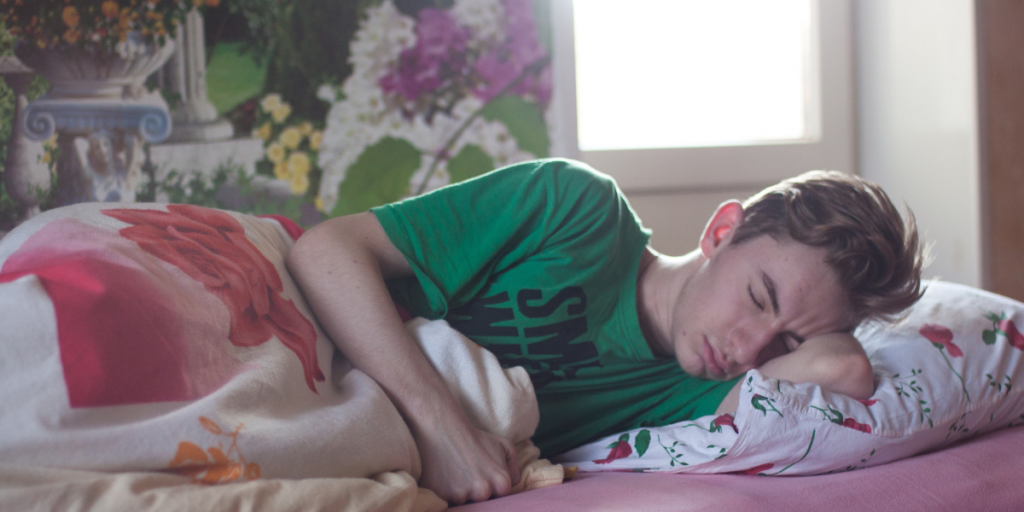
x: 211, y: 247
x: 756, y: 469
x: 850, y: 423
x: 620, y: 450
x: 1012, y: 334
x: 942, y: 337
x: 726, y: 420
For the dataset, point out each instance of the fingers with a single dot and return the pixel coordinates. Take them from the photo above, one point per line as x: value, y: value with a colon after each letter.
x: 512, y: 461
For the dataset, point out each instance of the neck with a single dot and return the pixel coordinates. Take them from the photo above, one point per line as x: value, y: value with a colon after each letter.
x: 661, y: 281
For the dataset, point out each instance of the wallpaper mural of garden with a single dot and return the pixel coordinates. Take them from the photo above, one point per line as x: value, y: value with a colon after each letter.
x: 306, y: 108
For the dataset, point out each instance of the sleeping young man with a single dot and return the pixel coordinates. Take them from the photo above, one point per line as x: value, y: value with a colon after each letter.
x: 545, y: 264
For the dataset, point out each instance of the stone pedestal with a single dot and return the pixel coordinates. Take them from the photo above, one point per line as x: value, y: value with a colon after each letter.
x: 100, y: 141
x: 195, y: 118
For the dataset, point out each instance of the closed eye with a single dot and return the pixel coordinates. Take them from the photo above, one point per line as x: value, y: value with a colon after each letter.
x: 752, y: 298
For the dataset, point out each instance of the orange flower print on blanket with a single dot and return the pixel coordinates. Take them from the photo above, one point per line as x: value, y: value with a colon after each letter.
x: 215, y: 465
x: 211, y: 247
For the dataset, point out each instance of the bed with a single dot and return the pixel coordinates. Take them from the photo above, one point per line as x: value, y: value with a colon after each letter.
x: 983, y: 474
x: 253, y: 423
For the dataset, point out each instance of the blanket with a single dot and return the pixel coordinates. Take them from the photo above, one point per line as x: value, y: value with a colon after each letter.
x: 139, y: 338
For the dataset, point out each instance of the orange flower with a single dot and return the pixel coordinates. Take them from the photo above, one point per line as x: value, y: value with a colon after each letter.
x: 212, y: 3
x: 110, y: 9
x: 71, y: 16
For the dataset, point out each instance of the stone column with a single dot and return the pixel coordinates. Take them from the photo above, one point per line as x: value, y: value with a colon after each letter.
x: 195, y: 118
x: 26, y: 179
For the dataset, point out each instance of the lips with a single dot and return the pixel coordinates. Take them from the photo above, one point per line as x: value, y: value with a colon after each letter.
x: 710, y: 360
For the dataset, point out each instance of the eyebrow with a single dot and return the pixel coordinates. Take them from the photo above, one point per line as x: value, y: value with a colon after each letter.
x: 770, y: 286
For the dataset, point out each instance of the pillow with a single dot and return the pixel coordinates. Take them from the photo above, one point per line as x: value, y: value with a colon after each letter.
x: 949, y: 371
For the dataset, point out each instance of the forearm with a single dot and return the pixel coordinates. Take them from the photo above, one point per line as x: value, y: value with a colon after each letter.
x: 342, y: 278
x: 340, y: 266
x: 836, y: 362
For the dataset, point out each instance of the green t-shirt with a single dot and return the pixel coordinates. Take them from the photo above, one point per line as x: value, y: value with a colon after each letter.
x: 538, y: 263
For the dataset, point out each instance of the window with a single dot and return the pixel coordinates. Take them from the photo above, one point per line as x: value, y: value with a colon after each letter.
x: 690, y: 94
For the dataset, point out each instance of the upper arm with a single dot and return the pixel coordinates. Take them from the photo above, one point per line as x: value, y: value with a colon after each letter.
x: 352, y: 236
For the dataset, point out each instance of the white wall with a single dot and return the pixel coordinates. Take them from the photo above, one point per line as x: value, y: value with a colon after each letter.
x: 918, y: 125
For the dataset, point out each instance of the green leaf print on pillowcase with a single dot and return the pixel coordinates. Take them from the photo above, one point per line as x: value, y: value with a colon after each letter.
x: 757, y: 400
x: 1002, y: 326
x: 643, y: 441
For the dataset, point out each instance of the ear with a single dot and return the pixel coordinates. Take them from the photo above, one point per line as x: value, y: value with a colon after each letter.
x: 721, y: 226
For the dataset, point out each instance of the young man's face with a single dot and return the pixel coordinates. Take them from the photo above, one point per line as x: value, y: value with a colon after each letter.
x: 751, y: 302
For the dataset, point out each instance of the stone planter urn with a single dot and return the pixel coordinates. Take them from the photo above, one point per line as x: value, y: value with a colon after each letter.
x: 102, y: 114
x: 81, y: 73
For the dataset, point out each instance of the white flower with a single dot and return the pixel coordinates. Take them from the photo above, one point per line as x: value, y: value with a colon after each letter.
x: 482, y: 17
x: 327, y: 93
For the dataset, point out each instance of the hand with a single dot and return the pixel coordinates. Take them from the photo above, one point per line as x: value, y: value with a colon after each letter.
x: 462, y: 463
x: 836, y: 362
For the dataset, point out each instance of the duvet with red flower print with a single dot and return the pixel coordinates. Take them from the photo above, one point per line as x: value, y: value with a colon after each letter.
x: 160, y: 310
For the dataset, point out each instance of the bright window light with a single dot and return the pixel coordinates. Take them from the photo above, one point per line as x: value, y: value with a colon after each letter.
x: 688, y: 73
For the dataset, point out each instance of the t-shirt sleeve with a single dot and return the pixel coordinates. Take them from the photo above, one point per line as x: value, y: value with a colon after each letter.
x: 456, y: 237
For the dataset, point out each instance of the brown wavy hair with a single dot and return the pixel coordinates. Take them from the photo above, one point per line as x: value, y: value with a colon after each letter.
x: 875, y: 254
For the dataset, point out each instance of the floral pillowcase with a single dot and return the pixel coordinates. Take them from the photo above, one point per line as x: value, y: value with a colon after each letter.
x: 950, y: 371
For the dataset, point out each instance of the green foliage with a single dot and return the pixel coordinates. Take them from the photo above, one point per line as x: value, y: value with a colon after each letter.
x: 379, y: 176
x: 233, y: 76
x: 524, y: 122
x: 469, y: 163
x: 311, y: 48
x: 413, y: 7
x: 229, y: 188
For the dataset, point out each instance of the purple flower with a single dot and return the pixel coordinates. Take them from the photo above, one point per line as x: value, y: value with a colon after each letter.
x: 504, y: 63
x: 440, y: 52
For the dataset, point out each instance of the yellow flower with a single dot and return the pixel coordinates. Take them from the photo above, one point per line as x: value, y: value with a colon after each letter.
x: 281, y: 112
x: 72, y: 36
x: 281, y: 171
x: 315, y: 139
x: 305, y: 128
x: 262, y: 132
x: 197, y: 3
x: 71, y: 17
x: 45, y: 158
x: 275, y: 153
x: 298, y: 164
x: 290, y: 137
x: 319, y: 203
x: 299, y: 184
x: 270, y: 102
x: 110, y: 9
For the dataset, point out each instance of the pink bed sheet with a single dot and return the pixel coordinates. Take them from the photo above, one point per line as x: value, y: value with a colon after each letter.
x: 984, y: 474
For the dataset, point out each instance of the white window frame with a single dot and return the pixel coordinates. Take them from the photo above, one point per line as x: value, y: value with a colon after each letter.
x: 831, y: 144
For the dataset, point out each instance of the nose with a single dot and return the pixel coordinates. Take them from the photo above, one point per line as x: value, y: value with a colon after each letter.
x: 746, y: 342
